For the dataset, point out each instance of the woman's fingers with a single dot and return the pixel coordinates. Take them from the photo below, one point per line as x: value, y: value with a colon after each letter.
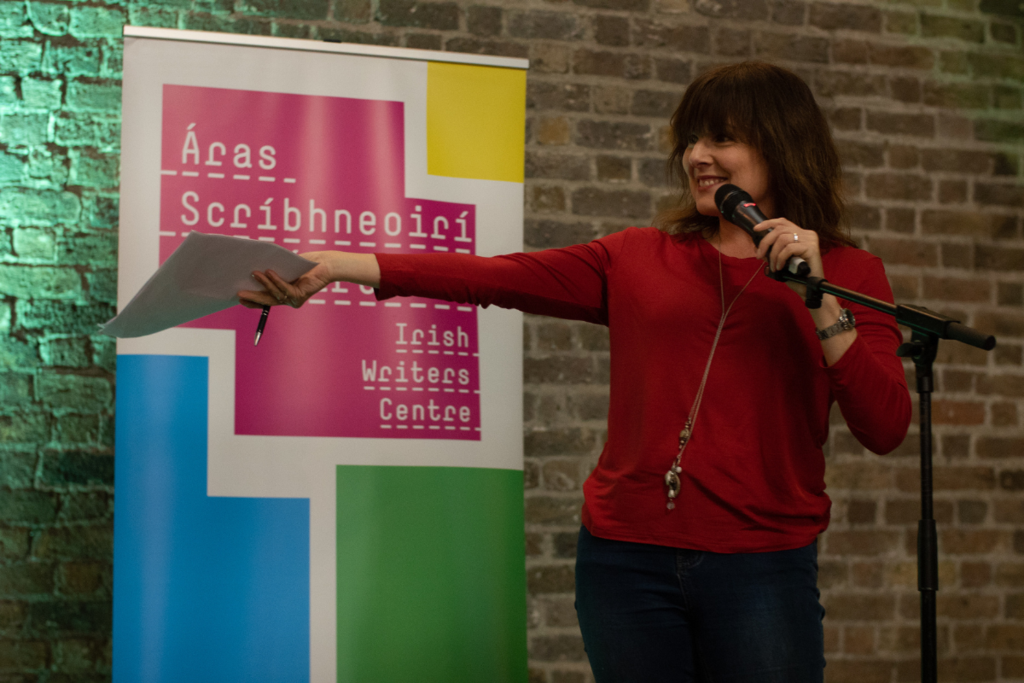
x: 275, y: 291
x: 278, y: 292
x: 785, y: 240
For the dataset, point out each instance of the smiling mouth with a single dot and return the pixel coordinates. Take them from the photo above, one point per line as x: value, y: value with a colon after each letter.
x: 703, y: 183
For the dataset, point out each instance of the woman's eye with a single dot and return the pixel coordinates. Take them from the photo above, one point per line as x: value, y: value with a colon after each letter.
x: 691, y: 140
x: 722, y: 138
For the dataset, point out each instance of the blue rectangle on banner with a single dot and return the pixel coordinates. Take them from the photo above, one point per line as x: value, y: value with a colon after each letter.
x: 205, y: 589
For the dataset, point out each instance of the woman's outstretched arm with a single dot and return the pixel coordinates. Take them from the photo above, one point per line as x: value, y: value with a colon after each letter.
x: 331, y: 266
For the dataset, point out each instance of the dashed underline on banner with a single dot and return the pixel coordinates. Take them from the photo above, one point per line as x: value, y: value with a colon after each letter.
x: 447, y: 391
x: 320, y: 242
x: 438, y: 427
x: 234, y: 176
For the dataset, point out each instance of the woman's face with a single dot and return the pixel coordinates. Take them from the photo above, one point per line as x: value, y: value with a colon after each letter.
x: 714, y: 160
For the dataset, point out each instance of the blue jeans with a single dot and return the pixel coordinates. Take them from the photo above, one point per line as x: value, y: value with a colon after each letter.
x: 653, y: 614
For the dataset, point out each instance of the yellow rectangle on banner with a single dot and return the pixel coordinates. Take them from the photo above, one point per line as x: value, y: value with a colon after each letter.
x: 476, y: 118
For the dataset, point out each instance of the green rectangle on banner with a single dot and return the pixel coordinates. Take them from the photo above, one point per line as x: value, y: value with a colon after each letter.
x: 431, y: 575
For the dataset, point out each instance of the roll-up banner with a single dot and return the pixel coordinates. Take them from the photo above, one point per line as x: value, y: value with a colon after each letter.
x: 344, y: 501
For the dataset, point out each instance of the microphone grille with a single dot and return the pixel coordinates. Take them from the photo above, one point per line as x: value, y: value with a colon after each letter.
x: 728, y: 197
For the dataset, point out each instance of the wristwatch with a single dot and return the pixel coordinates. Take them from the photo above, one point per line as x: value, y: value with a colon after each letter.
x: 845, y: 322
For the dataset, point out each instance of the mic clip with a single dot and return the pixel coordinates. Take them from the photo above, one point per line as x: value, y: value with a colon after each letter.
x: 813, y: 296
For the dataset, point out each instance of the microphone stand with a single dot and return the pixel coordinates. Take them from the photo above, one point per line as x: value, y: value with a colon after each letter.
x: 928, y: 328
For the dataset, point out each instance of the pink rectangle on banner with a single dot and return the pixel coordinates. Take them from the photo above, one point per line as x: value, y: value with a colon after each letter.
x: 312, y: 173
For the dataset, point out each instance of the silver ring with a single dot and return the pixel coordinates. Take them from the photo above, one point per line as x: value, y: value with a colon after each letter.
x: 796, y: 237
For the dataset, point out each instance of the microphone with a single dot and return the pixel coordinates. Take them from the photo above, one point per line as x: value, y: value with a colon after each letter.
x: 739, y: 208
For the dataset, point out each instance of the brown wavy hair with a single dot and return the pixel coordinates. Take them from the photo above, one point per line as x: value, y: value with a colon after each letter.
x: 772, y: 110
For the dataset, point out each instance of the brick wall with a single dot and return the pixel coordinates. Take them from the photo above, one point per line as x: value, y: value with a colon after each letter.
x: 926, y: 100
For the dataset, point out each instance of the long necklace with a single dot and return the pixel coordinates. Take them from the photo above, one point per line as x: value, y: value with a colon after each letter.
x: 672, y: 483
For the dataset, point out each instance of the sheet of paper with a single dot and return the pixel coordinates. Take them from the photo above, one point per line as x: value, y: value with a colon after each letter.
x: 202, y: 276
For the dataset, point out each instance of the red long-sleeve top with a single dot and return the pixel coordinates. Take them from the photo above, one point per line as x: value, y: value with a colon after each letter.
x: 753, y: 471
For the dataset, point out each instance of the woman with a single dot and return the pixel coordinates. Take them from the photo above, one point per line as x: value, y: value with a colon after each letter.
x: 697, y: 556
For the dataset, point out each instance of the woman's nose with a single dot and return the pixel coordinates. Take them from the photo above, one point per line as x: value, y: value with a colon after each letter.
x: 699, y: 153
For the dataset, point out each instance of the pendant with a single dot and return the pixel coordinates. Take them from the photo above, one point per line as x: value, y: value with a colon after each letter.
x: 684, y: 435
x: 673, y: 484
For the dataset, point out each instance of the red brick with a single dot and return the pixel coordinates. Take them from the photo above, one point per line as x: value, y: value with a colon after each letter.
x: 901, y: 22
x: 834, y: 83
x: 546, y: 198
x: 975, y: 574
x: 567, y: 648
x: 942, y: 27
x: 901, y: 56
x: 903, y: 252
x: 1006, y: 637
x: 550, y: 579
x: 553, y: 131
x: 1014, y: 606
x: 958, y: 412
x: 672, y: 34
x: 957, y: 289
x: 621, y: 203
x: 22, y: 655
x: 791, y: 47
x: 861, y: 543
x: 1001, y: 385
x: 850, y: 17
x: 920, y: 125
x: 859, y: 606
x: 1011, y: 480
x: 957, y: 255
x: 949, y: 479
x: 858, y: 671
x: 952, y: 191
x: 1009, y: 294
x: 568, y: 96
x: 905, y: 287
x: 498, y: 48
x: 543, y: 25
x: 546, y: 510
x: 733, y: 9
x: 957, y: 95
x: 905, y: 89
x: 1004, y: 414
x: 969, y: 638
x: 849, y: 51
x: 534, y: 544
x: 945, y: 222
x: 997, y: 65
x: 845, y: 118
x: 594, y: 63
x: 903, y: 186
x: 561, y: 475
x: 956, y: 161
x: 966, y: 606
x: 1000, y: 324
x: 867, y: 574
x: 970, y: 541
x: 636, y: 137
x: 859, y: 476
x: 859, y: 640
x: 1013, y: 666
x: 856, y: 153
x: 1004, y: 194
x: 903, y: 157
x: 560, y: 613
x: 1010, y: 574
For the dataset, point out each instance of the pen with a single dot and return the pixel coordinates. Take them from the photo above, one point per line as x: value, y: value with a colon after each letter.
x: 263, y: 323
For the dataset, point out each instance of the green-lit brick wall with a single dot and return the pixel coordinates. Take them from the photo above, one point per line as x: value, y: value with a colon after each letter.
x: 925, y: 99
x: 60, y: 98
